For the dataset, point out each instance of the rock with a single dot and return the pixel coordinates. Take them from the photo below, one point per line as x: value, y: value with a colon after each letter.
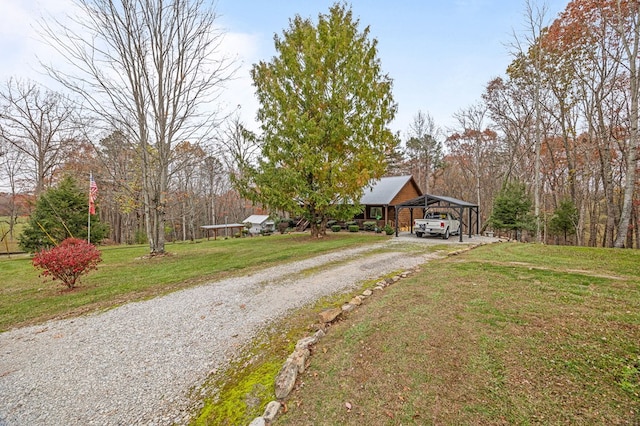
x: 286, y: 379
x: 271, y: 411
x: 378, y: 288
x: 258, y: 421
x: 319, y: 334
x: 395, y: 278
x: 304, y: 343
x: 299, y: 358
x: 356, y: 301
x: 367, y: 293
x: 329, y: 315
x: 389, y: 281
x: 348, y: 307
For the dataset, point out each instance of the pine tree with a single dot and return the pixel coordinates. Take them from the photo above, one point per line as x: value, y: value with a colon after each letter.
x: 512, y: 209
x: 60, y: 213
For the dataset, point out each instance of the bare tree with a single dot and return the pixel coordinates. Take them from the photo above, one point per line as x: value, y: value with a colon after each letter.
x: 627, y: 27
x: 474, y: 144
x: 238, y: 145
x: 535, y: 23
x: 424, y: 146
x: 149, y: 68
x: 39, y: 124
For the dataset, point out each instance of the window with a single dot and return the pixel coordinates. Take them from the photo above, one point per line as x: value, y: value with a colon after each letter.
x: 375, y: 212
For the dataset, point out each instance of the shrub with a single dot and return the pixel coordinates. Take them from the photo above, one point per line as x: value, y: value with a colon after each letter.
x: 283, y: 226
x: 369, y: 226
x: 388, y: 229
x: 353, y: 228
x: 351, y: 222
x: 331, y: 223
x: 68, y: 261
x: 336, y: 228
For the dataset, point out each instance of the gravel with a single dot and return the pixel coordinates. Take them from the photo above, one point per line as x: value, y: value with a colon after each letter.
x: 136, y: 364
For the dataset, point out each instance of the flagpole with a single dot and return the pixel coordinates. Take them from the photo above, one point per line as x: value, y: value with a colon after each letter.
x: 89, y: 211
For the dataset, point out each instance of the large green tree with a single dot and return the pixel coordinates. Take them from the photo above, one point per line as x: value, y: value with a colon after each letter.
x: 325, y: 107
x: 60, y: 213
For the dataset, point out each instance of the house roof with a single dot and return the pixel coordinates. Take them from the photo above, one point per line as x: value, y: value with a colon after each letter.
x: 384, y: 190
x: 257, y: 218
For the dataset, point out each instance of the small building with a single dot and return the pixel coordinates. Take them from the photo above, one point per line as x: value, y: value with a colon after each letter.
x: 259, y: 224
x: 379, y: 200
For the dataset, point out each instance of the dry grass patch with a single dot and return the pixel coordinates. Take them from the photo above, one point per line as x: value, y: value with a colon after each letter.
x: 475, y: 340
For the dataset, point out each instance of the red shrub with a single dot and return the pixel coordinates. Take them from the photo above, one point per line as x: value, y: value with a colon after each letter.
x: 68, y: 261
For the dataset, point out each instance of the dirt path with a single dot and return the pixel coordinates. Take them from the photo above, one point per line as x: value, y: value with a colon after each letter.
x: 135, y: 364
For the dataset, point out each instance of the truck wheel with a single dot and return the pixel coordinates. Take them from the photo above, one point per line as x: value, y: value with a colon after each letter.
x: 419, y: 234
x: 445, y: 236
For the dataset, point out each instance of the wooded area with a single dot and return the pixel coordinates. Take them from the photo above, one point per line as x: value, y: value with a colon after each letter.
x: 563, y: 121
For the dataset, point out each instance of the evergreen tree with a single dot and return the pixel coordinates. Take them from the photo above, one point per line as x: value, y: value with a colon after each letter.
x: 60, y: 213
x: 564, y: 219
x: 512, y: 209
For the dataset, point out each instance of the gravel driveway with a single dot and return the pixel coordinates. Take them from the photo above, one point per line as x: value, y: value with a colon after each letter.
x: 136, y: 364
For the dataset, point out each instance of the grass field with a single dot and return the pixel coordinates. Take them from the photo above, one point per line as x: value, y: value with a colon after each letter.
x: 9, y: 243
x: 503, y: 334
x: 126, y: 275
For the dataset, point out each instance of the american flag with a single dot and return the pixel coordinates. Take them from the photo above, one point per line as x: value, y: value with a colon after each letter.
x: 93, y: 193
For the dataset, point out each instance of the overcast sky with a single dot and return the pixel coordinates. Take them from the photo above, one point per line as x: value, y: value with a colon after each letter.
x: 439, y: 53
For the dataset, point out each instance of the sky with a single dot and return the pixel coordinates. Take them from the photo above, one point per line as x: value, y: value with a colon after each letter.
x: 440, y: 54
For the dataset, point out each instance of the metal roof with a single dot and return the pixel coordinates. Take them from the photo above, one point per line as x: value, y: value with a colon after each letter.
x: 384, y: 190
x: 257, y: 218
x: 436, y: 199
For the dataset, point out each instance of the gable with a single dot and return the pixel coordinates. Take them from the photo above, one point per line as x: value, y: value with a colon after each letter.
x: 390, y: 190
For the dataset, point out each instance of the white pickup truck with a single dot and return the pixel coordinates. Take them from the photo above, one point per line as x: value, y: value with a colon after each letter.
x: 437, y: 223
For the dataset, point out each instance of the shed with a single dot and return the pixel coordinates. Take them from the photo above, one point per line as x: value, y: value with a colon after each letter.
x: 259, y: 223
x: 380, y: 199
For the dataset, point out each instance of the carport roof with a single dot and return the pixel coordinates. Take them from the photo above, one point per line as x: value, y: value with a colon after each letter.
x: 441, y: 200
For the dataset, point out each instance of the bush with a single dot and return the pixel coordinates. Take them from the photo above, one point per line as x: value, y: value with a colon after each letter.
x: 369, y: 226
x: 283, y: 226
x: 331, y: 223
x: 68, y: 261
x: 353, y: 228
x: 388, y: 229
x: 336, y: 228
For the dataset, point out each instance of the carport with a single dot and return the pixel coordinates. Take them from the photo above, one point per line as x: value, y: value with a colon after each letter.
x: 428, y: 201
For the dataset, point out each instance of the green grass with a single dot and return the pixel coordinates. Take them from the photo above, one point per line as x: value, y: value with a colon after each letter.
x: 126, y: 275
x: 8, y: 244
x: 503, y: 334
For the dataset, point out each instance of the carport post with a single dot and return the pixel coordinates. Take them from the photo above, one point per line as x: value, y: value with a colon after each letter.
x: 460, y: 215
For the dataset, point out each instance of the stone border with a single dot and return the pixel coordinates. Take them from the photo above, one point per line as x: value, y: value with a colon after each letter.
x: 297, y: 361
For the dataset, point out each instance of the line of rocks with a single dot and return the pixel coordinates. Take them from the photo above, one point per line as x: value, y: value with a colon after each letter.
x: 297, y: 362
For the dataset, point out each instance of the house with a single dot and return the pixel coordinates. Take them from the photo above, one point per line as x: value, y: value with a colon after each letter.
x: 259, y: 224
x: 379, y: 200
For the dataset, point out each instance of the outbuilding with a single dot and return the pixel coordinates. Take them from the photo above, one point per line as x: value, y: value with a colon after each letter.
x: 260, y: 223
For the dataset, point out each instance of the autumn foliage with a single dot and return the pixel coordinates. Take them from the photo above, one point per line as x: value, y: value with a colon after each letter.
x: 68, y: 261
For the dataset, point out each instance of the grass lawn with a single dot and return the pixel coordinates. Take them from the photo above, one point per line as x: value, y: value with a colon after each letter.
x: 8, y: 244
x: 503, y: 334
x: 126, y: 275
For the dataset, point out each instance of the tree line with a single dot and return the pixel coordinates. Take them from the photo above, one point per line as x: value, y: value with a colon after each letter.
x: 138, y: 111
